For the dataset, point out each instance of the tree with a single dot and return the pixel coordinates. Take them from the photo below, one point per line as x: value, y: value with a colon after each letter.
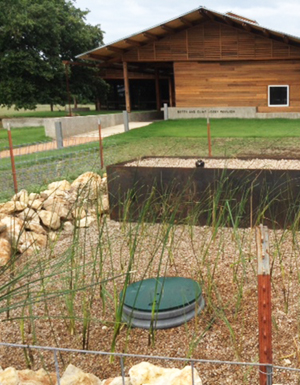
x: 35, y: 37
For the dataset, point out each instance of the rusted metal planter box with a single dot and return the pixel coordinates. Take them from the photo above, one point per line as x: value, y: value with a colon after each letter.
x: 205, y: 196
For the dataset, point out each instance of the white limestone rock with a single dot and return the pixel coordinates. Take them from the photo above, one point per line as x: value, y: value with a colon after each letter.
x: 40, y: 377
x: 146, y: 373
x: 36, y: 227
x: 21, y: 196
x: 75, y: 376
x: 60, y: 185
x: 85, y: 222
x: 15, y: 227
x: 33, y: 196
x: 79, y: 213
x: 50, y: 219
x: 87, y: 185
x: 35, y: 204
x: 9, y: 376
x: 104, y: 204
x: 68, y: 227
x: 28, y: 214
x: 116, y: 381
x: 11, y: 207
x: 53, y: 193
x: 3, y: 227
x: 5, y: 252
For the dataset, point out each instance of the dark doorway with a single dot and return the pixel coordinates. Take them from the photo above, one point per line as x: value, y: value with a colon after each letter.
x: 142, y: 94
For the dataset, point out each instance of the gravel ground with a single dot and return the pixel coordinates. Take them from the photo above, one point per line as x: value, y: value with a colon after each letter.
x: 223, y: 260
x: 272, y: 164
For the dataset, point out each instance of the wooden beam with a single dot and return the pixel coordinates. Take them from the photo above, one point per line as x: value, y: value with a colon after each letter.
x: 207, y: 14
x: 115, y: 49
x: 80, y: 64
x: 247, y: 27
x: 150, y: 36
x: 133, y: 42
x: 266, y: 32
x: 286, y: 39
x: 186, y: 22
x: 94, y: 56
x: 157, y: 90
x: 227, y: 20
x: 126, y: 84
x: 168, y: 29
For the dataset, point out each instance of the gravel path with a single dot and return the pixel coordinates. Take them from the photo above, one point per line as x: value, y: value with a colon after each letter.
x: 272, y: 164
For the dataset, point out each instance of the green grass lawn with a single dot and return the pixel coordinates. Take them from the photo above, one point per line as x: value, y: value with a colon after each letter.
x: 230, y: 137
x: 221, y: 128
x: 23, y: 136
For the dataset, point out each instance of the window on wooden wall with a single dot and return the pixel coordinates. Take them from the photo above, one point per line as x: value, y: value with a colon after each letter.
x: 278, y: 96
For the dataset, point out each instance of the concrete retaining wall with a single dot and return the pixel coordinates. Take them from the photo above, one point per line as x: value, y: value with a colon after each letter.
x: 278, y: 115
x: 80, y: 124
x: 23, y: 122
x: 214, y: 112
x: 227, y: 112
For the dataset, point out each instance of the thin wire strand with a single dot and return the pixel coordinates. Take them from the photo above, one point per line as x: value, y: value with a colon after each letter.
x: 179, y: 359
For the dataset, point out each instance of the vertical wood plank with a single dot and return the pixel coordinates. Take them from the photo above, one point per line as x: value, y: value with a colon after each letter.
x: 126, y: 84
x: 171, y: 93
x: 157, y: 90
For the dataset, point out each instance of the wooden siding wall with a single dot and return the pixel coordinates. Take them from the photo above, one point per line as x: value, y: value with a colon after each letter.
x: 212, y: 41
x: 111, y: 73
x: 235, y: 84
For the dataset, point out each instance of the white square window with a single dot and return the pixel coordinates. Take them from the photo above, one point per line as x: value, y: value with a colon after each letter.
x: 278, y: 96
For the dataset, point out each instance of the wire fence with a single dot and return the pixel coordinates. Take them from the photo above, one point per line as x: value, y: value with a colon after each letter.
x: 46, y: 146
x: 35, y: 174
x: 194, y: 363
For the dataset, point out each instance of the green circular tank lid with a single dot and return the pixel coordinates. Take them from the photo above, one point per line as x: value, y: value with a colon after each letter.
x: 161, y: 294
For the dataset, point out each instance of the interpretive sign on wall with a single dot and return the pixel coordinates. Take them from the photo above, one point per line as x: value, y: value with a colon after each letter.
x: 214, y: 112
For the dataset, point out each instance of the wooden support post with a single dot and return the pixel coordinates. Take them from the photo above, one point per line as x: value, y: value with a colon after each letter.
x: 100, y: 144
x: 126, y: 84
x: 171, y: 94
x: 264, y: 305
x: 12, y: 159
x: 208, y: 136
x: 68, y: 89
x: 157, y: 89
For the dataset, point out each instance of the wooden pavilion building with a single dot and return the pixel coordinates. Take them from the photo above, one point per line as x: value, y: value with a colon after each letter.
x: 204, y: 59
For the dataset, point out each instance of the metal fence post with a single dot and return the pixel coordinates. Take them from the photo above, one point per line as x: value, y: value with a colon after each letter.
x: 193, y: 374
x: 56, y: 367
x: 100, y: 144
x: 59, y: 136
x: 126, y: 121
x: 166, y: 112
x: 122, y: 370
x: 264, y: 304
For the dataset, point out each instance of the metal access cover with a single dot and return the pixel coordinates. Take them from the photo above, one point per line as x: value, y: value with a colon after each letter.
x: 162, y: 302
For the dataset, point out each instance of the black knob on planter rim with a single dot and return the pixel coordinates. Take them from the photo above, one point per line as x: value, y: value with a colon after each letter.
x: 200, y: 163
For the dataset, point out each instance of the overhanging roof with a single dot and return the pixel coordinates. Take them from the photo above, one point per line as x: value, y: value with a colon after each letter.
x: 112, y: 52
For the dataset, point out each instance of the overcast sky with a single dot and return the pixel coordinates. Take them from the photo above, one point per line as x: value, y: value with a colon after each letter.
x: 121, y: 18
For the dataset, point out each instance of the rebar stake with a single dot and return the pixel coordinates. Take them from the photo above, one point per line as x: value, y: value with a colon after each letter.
x: 264, y: 304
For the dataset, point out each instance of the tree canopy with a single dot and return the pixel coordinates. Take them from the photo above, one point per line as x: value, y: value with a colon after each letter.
x: 35, y: 37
